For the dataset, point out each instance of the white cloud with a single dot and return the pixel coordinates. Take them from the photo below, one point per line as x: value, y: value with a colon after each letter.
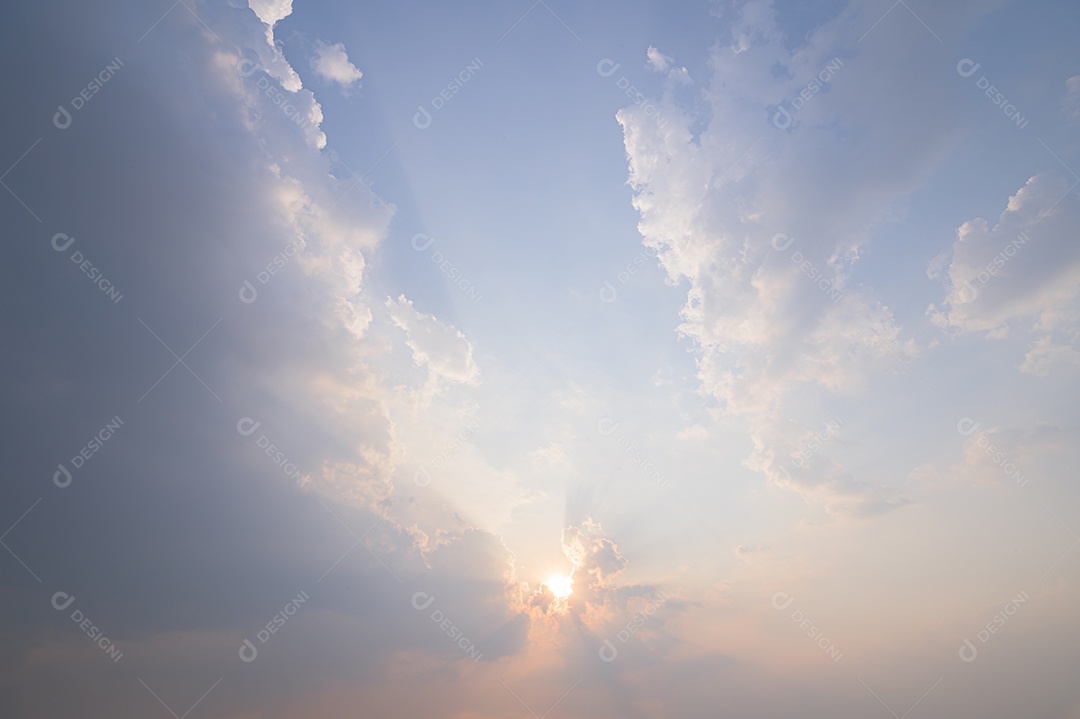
x: 1045, y: 356
x: 271, y: 11
x: 591, y: 552
x: 1071, y: 103
x: 756, y: 212
x: 766, y: 337
x: 657, y: 60
x: 1022, y: 270
x: 442, y: 349
x: 662, y: 63
x: 270, y: 55
x: 332, y: 63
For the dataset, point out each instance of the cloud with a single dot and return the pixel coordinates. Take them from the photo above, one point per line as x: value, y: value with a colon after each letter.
x: 271, y: 12
x: 1071, y: 104
x: 747, y: 206
x: 270, y: 90
x: 282, y: 438
x: 331, y: 63
x: 548, y: 457
x: 1022, y: 271
x: 441, y: 349
x: 1008, y: 455
x: 746, y: 553
x: 600, y: 605
x: 662, y: 63
x: 1045, y: 356
x: 657, y: 60
x: 220, y: 193
x: 592, y: 553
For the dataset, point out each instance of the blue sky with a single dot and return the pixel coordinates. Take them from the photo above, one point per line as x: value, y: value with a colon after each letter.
x: 507, y: 360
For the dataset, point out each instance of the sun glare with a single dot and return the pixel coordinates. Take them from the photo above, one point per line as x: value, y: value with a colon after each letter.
x: 561, y: 586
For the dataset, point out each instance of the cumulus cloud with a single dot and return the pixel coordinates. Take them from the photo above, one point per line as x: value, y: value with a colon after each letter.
x: 1021, y: 271
x: 273, y: 284
x: 1046, y: 356
x: 657, y: 60
x: 592, y: 553
x: 270, y: 54
x: 440, y: 348
x: 662, y: 63
x: 746, y: 203
x: 271, y: 11
x: 307, y: 360
x: 332, y: 63
x: 600, y: 603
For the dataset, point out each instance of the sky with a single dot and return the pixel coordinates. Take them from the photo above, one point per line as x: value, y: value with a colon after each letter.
x: 501, y: 360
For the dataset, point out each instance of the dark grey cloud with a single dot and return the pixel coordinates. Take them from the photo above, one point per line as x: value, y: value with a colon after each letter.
x: 178, y: 535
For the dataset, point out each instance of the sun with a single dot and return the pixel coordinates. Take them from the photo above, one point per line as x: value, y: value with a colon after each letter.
x: 562, y: 586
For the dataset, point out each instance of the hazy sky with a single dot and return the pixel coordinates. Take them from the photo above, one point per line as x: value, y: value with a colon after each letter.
x: 494, y: 360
